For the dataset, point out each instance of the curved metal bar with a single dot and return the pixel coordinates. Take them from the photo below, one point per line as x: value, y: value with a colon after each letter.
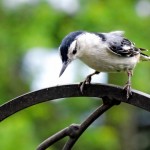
x: 137, y: 98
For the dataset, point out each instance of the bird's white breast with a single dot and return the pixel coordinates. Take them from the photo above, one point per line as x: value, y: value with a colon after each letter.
x: 95, y: 53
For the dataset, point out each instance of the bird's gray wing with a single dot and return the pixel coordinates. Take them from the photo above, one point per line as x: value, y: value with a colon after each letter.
x: 123, y: 47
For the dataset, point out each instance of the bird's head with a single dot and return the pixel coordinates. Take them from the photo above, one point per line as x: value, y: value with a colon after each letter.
x: 69, y: 49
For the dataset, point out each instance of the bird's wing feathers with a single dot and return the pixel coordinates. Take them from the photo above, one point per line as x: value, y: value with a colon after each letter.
x: 117, y: 33
x: 120, y: 45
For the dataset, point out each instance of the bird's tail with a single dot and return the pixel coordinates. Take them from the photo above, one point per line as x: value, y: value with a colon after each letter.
x: 144, y: 57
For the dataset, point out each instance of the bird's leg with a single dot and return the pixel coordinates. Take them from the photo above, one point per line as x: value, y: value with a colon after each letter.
x: 127, y: 87
x: 87, y: 81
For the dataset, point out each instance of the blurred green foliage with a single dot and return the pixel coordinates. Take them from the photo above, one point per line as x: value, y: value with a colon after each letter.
x: 41, y: 25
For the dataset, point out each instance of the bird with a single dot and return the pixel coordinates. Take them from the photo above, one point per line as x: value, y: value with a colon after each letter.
x: 103, y: 52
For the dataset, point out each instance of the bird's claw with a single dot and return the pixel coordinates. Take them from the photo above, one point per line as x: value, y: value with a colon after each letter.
x: 82, y: 84
x: 127, y: 87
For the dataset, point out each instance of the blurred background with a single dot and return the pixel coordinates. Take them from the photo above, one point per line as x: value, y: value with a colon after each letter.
x: 30, y: 34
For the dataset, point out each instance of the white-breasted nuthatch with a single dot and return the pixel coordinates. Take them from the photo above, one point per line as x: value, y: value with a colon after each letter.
x: 104, y: 52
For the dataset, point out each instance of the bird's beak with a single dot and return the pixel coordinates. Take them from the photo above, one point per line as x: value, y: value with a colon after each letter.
x: 65, y: 64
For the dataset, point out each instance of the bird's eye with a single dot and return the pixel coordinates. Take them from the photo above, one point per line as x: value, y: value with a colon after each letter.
x: 74, y: 51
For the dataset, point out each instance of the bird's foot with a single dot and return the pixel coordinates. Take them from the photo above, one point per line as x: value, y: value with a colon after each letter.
x: 127, y: 88
x: 86, y: 81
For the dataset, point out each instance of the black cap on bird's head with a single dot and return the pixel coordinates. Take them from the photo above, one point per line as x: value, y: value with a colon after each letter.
x: 64, y: 47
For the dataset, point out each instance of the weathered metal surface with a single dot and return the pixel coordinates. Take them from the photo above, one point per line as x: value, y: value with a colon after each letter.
x: 137, y: 98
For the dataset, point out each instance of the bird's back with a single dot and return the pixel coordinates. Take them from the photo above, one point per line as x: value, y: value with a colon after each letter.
x: 108, y: 52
